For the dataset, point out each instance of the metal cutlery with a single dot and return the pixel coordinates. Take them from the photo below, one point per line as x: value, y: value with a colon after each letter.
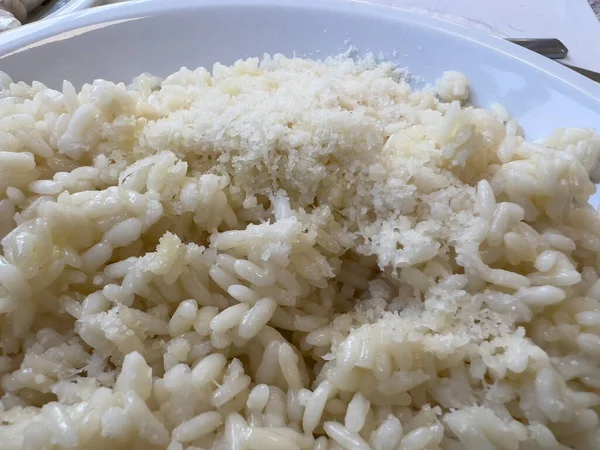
x: 551, y: 48
x: 585, y: 72
x: 554, y: 49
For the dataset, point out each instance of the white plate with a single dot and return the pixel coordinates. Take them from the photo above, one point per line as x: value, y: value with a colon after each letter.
x: 118, y: 42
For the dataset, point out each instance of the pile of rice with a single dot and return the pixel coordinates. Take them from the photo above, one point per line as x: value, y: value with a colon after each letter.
x: 293, y: 254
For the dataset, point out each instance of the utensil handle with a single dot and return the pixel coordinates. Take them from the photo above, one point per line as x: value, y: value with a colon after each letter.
x: 585, y: 72
x: 549, y: 47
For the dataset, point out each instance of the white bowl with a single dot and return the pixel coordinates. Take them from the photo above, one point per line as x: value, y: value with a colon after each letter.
x: 117, y: 42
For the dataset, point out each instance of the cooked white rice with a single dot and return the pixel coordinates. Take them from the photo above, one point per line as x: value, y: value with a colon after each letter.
x: 291, y: 254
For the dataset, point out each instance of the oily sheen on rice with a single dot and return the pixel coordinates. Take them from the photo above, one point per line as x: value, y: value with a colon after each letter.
x: 293, y: 254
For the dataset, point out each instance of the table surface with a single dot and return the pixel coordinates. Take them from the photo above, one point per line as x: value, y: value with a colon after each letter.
x: 571, y: 21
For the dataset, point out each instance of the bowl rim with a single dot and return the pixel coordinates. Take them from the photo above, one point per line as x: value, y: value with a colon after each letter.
x: 69, y: 25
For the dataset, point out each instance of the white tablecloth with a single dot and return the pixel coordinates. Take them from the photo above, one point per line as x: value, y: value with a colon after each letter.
x: 572, y: 21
